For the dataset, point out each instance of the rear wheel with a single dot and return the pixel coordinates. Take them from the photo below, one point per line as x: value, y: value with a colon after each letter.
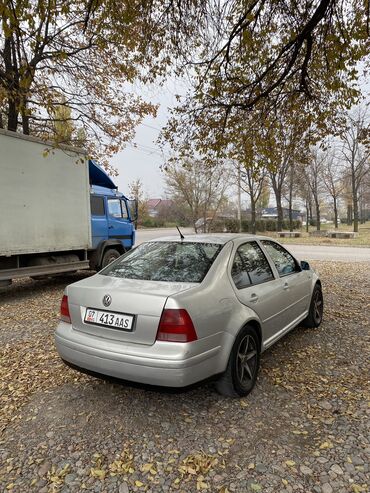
x: 315, y: 313
x: 242, y: 369
x: 108, y: 257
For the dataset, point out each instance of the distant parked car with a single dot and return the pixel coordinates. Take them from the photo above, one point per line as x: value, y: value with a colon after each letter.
x: 174, y: 312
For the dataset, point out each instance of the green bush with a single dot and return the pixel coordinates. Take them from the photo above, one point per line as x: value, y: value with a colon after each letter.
x: 152, y: 222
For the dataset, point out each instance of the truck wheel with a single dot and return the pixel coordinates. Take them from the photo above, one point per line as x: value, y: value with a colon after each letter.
x: 108, y: 257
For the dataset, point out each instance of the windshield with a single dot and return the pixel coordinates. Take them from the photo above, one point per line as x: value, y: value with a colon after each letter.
x: 165, y: 261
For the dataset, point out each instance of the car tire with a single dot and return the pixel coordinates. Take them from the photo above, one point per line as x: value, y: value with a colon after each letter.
x: 315, y: 313
x: 241, y: 373
x: 108, y: 257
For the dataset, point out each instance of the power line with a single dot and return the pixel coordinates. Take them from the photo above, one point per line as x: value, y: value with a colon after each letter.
x: 151, y: 126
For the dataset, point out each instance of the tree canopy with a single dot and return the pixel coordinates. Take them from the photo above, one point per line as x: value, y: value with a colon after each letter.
x: 262, y: 57
x: 240, y: 56
x: 80, y: 55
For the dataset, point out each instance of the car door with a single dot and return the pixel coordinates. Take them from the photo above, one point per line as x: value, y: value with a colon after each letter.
x: 295, y: 282
x: 119, y: 226
x: 99, y: 227
x: 257, y: 287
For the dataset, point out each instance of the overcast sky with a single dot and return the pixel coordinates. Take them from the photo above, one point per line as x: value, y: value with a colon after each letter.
x: 143, y: 158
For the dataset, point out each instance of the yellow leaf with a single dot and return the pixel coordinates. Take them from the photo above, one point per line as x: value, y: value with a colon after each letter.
x: 251, y: 466
x: 356, y: 488
x: 255, y: 487
x: 10, y: 486
x: 284, y: 481
x: 326, y: 445
x: 290, y: 463
x: 139, y: 484
x: 201, y: 485
x: 97, y: 473
x: 34, y: 481
x: 146, y: 467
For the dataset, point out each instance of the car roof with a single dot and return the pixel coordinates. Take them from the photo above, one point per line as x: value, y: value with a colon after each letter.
x: 220, y: 238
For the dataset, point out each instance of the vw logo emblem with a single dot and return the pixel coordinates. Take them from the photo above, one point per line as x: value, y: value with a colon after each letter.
x: 107, y: 300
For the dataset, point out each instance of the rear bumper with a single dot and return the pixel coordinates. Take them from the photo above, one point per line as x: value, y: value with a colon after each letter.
x: 184, y: 365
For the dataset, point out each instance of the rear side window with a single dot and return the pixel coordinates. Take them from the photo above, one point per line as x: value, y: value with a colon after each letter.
x: 250, y: 266
x: 165, y: 261
x: 283, y: 260
x: 97, y: 205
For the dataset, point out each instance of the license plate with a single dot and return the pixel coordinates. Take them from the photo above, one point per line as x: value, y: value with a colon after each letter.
x: 109, y: 319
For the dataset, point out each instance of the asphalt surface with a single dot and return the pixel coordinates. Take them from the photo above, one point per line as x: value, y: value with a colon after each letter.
x: 303, y: 252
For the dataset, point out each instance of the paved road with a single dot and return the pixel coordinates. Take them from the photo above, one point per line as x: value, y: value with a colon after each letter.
x: 334, y: 253
x: 307, y: 252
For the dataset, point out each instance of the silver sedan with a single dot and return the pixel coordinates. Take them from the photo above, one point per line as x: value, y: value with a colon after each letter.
x: 175, y: 311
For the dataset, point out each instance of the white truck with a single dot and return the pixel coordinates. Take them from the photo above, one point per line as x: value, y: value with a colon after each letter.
x: 59, y: 212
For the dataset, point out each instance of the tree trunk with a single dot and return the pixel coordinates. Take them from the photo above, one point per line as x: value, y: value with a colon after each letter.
x: 335, y: 213
x: 290, y: 208
x: 239, y: 202
x: 307, y: 216
x: 25, y: 124
x: 291, y: 198
x: 310, y: 211
x: 355, y: 212
x: 279, y: 208
x: 318, y: 221
x: 290, y: 217
x: 349, y: 215
x: 253, y: 216
x: 12, y: 116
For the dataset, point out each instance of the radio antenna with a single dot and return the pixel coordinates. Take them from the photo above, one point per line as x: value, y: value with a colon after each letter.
x: 181, y: 235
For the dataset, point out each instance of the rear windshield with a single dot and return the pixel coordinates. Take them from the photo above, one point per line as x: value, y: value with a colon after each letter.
x: 165, y: 261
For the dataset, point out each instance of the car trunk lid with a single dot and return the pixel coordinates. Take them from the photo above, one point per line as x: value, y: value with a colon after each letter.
x: 142, y: 300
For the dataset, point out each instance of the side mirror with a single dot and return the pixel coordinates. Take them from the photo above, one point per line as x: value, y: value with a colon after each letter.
x: 305, y: 265
x: 133, y: 208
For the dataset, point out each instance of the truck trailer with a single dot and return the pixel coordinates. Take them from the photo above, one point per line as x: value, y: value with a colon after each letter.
x: 59, y: 211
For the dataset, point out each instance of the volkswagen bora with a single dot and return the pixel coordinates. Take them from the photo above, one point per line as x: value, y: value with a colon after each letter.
x: 174, y: 311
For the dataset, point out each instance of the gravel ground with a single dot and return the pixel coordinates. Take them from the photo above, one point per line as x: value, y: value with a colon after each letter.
x: 304, y: 428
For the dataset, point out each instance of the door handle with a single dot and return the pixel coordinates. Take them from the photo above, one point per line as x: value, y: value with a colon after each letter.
x: 286, y: 285
x: 254, y: 298
x: 110, y: 227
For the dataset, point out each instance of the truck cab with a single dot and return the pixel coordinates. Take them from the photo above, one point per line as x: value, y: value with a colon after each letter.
x: 113, y: 219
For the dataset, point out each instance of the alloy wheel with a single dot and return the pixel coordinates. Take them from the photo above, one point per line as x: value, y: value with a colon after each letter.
x: 318, y: 306
x: 246, y: 360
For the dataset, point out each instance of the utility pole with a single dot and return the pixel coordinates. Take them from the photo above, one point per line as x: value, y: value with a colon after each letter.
x: 239, y: 201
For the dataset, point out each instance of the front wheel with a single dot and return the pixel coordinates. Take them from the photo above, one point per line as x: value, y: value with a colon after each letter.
x: 242, y: 369
x: 315, y: 313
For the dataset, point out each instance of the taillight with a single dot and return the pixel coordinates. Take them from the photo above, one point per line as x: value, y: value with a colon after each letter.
x: 176, y: 326
x: 64, y: 310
